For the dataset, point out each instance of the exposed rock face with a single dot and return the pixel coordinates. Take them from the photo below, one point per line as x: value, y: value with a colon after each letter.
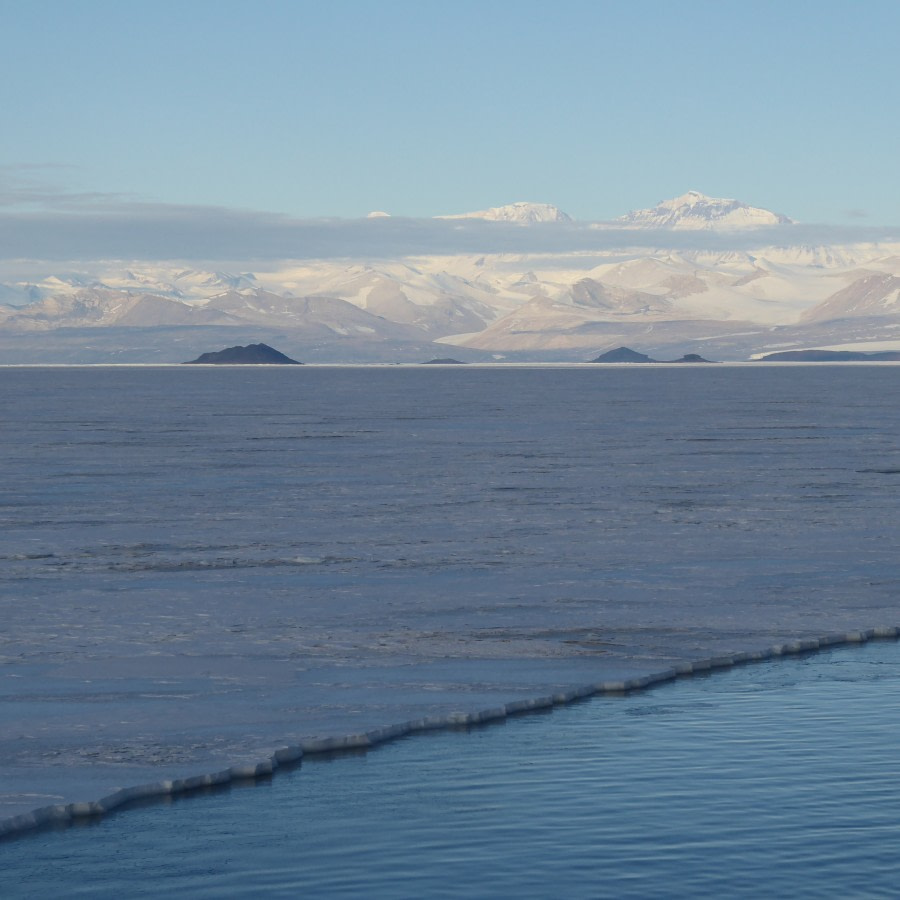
x: 832, y: 356
x: 251, y: 355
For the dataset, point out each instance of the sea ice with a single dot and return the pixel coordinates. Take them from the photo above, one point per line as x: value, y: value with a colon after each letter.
x: 203, y: 568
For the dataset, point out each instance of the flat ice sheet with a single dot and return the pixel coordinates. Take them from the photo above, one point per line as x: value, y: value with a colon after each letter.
x: 201, y: 565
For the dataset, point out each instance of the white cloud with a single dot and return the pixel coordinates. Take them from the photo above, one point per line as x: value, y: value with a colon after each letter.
x: 39, y: 221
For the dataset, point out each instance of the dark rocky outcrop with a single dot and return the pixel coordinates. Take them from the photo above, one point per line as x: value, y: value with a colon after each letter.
x: 623, y: 355
x: 444, y: 362
x: 692, y: 358
x: 831, y: 356
x: 627, y: 355
x: 251, y: 355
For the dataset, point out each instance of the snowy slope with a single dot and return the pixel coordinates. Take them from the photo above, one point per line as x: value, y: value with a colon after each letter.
x: 312, y: 315
x: 869, y: 294
x: 101, y: 307
x: 520, y: 213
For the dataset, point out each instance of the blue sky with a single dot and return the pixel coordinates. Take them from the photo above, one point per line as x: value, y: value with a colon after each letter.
x: 310, y: 109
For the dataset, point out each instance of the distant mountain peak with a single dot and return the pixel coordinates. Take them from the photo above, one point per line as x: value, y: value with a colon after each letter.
x: 690, y: 198
x: 519, y: 213
x: 694, y: 211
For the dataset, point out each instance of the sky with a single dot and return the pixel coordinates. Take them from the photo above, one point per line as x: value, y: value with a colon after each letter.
x: 279, y: 110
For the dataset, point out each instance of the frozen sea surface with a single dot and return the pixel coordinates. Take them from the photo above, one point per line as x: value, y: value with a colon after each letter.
x: 770, y: 780
x: 200, y: 565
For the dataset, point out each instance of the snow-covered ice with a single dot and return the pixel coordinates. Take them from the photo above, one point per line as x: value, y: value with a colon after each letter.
x: 200, y: 566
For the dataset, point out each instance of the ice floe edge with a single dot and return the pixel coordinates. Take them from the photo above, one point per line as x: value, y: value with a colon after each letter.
x: 61, y: 814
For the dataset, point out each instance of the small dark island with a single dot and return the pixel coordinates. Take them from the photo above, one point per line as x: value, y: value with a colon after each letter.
x: 623, y: 355
x: 444, y: 362
x: 627, y: 355
x: 251, y: 355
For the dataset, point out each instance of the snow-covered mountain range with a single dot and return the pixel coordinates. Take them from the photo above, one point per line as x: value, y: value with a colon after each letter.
x: 722, y: 303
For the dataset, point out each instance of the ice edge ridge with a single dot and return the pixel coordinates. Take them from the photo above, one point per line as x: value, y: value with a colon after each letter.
x: 61, y: 814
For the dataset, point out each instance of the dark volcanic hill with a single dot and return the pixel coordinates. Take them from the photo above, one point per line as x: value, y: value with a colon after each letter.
x: 627, y: 355
x: 623, y: 355
x: 251, y: 355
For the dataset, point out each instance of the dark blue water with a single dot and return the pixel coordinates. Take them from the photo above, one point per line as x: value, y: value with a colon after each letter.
x: 777, y: 779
